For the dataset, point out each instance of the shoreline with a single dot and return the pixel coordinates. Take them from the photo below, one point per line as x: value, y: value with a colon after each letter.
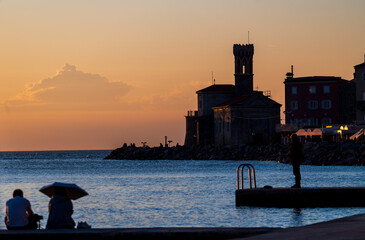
x: 321, y: 153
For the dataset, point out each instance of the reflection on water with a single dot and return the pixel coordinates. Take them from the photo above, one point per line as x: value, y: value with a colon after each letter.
x: 165, y: 193
x: 297, y: 217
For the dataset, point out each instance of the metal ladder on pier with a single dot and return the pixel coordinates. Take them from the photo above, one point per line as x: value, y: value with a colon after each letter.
x: 251, y: 174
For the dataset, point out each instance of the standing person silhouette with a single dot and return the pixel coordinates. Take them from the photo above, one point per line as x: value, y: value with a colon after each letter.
x: 296, y: 157
x: 18, y: 211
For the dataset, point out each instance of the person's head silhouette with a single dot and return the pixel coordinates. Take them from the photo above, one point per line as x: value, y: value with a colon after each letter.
x: 18, y: 192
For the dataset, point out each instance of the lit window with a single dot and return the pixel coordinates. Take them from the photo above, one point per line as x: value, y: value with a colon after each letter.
x: 294, y: 105
x: 312, y: 105
x: 326, y: 104
x: 294, y: 90
x: 326, y: 89
x: 312, y: 89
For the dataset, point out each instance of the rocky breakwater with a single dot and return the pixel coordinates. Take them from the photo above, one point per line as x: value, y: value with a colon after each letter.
x: 322, y: 153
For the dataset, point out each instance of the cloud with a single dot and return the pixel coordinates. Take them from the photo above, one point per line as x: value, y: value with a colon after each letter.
x: 175, y: 99
x: 70, y: 86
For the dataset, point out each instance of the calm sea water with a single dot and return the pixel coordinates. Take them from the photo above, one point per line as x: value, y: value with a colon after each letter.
x: 165, y: 193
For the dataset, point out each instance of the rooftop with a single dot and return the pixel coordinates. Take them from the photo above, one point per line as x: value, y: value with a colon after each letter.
x: 218, y: 88
x: 238, y: 100
x: 233, y: 101
x: 314, y: 79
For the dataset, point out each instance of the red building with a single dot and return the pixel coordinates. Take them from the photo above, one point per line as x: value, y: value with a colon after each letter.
x: 318, y: 100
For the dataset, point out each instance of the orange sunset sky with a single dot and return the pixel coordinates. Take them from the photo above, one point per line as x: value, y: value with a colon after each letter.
x: 93, y: 74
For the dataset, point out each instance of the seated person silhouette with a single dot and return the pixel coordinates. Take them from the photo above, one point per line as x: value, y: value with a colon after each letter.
x: 18, y: 212
x: 60, y: 210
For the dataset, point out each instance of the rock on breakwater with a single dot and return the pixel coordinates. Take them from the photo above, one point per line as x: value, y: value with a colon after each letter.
x: 322, y: 153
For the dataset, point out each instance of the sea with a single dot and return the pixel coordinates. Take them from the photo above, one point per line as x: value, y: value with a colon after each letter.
x: 165, y: 193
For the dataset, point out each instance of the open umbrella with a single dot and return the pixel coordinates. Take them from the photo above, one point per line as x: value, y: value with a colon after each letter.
x: 72, y: 190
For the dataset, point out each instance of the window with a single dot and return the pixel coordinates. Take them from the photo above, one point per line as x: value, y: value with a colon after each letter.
x: 312, y: 105
x: 294, y: 90
x: 312, y: 89
x: 363, y: 76
x: 294, y: 105
x: 326, y: 104
x: 326, y: 121
x: 326, y: 89
x: 312, y: 122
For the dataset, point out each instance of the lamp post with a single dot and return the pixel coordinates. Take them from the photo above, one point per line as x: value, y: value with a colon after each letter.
x: 340, y: 132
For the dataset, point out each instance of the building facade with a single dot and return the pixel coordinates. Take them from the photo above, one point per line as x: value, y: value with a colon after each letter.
x: 318, y: 100
x: 248, y: 119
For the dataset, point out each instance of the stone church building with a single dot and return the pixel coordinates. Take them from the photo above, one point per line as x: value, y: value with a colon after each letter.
x: 233, y: 114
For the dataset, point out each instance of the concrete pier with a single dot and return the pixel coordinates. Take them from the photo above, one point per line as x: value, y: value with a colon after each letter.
x: 301, y: 197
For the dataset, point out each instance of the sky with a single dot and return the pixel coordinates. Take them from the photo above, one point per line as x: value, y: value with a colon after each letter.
x: 94, y: 74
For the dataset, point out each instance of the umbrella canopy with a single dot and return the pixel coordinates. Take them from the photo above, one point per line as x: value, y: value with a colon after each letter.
x: 72, y: 190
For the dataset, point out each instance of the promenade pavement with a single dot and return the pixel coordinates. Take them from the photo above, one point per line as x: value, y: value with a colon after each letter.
x: 347, y: 228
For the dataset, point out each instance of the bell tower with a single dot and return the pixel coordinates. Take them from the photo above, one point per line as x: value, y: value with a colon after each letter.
x: 243, y: 70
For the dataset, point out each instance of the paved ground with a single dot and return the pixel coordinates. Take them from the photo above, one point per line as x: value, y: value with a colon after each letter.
x: 136, y: 233
x: 349, y: 228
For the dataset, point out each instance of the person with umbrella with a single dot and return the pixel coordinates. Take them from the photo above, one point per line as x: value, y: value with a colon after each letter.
x: 60, y: 206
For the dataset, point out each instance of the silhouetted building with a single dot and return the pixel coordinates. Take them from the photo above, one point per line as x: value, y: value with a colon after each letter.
x: 359, y: 79
x: 233, y: 114
x: 200, y: 124
x: 248, y: 119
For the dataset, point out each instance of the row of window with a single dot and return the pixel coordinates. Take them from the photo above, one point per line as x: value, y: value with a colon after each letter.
x: 311, y: 89
x: 312, y: 105
x: 312, y: 121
